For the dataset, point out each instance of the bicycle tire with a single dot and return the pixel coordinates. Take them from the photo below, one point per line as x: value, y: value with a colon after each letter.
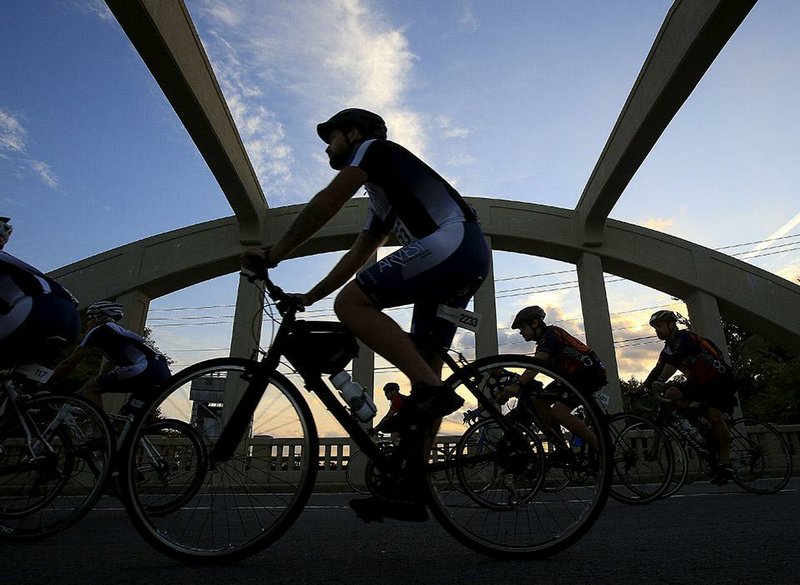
x: 643, y: 459
x: 171, y: 455
x: 63, y: 447
x: 356, y: 472
x: 760, y: 456
x: 248, y: 501
x: 543, y: 523
x: 681, y: 463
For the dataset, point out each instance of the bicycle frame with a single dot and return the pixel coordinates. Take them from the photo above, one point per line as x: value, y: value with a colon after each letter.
x: 237, y: 424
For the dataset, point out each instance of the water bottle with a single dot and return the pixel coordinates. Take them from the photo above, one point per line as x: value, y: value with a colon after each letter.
x: 360, y: 403
x: 691, y: 433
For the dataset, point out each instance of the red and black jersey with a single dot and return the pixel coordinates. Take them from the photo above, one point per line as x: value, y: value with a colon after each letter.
x: 698, y: 358
x: 570, y: 356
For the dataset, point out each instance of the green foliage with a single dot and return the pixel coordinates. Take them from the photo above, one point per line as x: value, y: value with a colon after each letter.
x: 767, y: 376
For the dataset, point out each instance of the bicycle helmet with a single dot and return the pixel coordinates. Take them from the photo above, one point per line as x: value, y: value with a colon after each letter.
x: 663, y: 316
x: 110, y: 309
x: 370, y: 125
x: 527, y: 315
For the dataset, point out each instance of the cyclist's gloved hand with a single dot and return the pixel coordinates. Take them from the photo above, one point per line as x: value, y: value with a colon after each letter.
x: 257, y: 260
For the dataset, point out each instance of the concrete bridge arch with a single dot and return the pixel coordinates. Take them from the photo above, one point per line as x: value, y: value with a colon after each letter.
x: 712, y: 284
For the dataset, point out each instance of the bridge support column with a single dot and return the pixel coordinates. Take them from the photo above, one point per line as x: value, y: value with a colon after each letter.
x: 247, y: 320
x: 597, y: 322
x: 706, y: 320
x: 484, y: 303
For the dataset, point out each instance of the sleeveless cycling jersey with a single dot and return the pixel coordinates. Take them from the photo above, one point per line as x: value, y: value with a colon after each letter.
x: 699, y: 359
x: 120, y: 346
x: 407, y: 197
x: 571, y: 357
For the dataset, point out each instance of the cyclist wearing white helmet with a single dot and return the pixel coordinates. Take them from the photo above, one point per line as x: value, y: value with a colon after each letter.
x: 709, y: 380
x: 36, y: 312
x: 131, y: 365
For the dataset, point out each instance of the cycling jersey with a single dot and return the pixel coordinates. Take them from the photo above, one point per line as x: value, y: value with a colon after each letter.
x: 407, y: 197
x: 572, y: 358
x: 444, y: 258
x: 33, y: 308
x: 699, y: 359
x: 137, y: 363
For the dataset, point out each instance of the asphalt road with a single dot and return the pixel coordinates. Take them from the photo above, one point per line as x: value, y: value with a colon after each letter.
x: 704, y: 535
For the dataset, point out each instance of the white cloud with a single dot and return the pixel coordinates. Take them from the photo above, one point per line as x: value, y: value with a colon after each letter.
x: 324, y: 55
x: 779, y: 233
x: 12, y: 133
x: 448, y: 131
x: 45, y: 173
x: 13, y: 140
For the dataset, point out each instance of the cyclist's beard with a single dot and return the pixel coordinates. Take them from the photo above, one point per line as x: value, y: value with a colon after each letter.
x: 338, y: 161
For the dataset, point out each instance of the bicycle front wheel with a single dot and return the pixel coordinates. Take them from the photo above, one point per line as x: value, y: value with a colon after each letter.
x: 234, y: 506
x: 52, y: 481
x: 760, y: 456
x: 643, y: 459
x: 498, y: 504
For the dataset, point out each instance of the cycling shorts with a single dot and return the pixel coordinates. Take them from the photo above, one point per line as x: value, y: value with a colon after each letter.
x: 50, y: 316
x: 140, y: 378
x: 446, y: 267
x: 719, y: 393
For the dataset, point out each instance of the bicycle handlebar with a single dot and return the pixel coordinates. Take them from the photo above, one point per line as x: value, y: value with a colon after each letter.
x: 285, y: 302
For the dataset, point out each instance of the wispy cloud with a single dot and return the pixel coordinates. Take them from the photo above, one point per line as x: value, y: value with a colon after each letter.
x: 779, y: 233
x: 449, y: 131
x: 12, y: 133
x: 45, y: 173
x: 326, y: 55
x: 13, y: 148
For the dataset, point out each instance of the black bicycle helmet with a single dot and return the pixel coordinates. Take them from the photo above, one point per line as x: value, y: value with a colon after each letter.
x: 527, y: 315
x: 663, y: 316
x: 370, y: 125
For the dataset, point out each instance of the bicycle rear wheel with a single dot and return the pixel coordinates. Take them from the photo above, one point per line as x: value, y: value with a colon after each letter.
x: 499, y: 506
x: 242, y: 503
x: 643, y: 459
x: 760, y: 456
x: 356, y: 472
x: 52, y: 482
x: 171, y: 461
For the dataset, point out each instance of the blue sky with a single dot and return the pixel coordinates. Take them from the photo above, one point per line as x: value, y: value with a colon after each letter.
x: 507, y: 99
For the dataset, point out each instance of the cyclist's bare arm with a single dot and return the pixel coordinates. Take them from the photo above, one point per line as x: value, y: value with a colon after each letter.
x: 315, y: 214
x: 358, y: 254
x: 68, y: 365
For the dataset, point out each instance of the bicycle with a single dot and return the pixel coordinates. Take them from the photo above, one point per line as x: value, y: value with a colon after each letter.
x: 55, y: 455
x: 263, y: 457
x: 170, y: 455
x: 759, y: 454
x: 357, y: 468
x: 642, y: 455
